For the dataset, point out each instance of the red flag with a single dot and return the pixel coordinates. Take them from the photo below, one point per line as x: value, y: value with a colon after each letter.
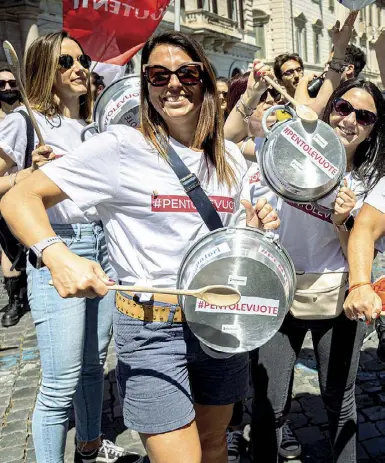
x: 112, y: 31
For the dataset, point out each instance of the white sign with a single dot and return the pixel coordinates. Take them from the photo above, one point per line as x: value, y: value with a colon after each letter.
x: 311, y: 153
x: 237, y: 280
x: 231, y: 329
x: 320, y: 140
x: 246, y: 306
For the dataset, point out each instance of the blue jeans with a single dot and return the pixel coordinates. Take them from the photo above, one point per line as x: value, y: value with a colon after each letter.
x: 73, y: 337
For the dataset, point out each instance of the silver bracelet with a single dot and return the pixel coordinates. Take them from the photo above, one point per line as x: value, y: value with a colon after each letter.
x: 245, y: 117
x: 247, y: 107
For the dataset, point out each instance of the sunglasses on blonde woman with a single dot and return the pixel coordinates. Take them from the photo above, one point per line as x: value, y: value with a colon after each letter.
x: 344, y: 108
x: 159, y: 76
x: 67, y: 61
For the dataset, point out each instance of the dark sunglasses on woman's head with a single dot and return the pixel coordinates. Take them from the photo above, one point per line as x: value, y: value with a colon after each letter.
x: 344, y: 108
x: 12, y: 83
x: 273, y: 93
x: 159, y: 76
x: 67, y: 61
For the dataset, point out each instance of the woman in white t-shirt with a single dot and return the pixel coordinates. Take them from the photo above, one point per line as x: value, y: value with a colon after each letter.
x: 73, y: 335
x: 178, y: 398
x: 316, y: 241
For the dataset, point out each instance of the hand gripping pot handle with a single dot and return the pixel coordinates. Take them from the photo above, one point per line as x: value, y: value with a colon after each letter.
x: 272, y: 110
x: 93, y: 128
x: 269, y: 235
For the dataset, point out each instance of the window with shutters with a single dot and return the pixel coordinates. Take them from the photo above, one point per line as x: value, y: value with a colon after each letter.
x: 232, y: 9
x: 317, y: 33
x: 260, y: 22
x: 301, y: 36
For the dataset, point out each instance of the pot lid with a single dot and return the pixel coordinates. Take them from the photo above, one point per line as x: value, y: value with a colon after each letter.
x: 303, y: 162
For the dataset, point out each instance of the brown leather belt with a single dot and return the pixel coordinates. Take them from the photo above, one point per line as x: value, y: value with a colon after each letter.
x: 149, y: 312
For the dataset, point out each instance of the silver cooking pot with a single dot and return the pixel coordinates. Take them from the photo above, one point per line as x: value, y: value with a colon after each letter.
x: 254, y: 263
x: 301, y: 162
x: 117, y: 104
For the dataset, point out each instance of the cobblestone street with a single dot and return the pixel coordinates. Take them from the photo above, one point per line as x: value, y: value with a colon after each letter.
x: 20, y: 375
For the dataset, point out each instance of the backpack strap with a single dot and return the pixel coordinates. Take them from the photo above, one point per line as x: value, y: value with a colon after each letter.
x: 30, y: 139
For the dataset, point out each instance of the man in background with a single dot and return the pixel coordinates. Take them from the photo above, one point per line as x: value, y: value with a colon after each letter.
x: 288, y: 69
x: 223, y: 90
x: 9, y: 93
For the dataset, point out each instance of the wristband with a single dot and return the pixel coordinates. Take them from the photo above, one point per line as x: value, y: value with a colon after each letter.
x: 347, y: 225
x: 36, y: 251
x: 337, y: 66
x: 357, y: 285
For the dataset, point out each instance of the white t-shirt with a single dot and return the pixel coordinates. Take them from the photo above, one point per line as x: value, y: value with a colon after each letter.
x: 309, y: 235
x: 258, y: 188
x: 63, y: 135
x: 376, y: 196
x: 149, y: 220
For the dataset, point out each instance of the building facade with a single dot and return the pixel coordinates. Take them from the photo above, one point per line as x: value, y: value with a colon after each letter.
x: 224, y: 27
x: 304, y: 26
x: 232, y: 32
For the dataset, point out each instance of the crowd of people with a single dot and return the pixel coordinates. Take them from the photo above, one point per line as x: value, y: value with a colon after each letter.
x: 84, y: 212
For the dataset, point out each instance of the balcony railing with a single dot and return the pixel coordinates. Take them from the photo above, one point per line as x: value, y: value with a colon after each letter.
x: 201, y: 18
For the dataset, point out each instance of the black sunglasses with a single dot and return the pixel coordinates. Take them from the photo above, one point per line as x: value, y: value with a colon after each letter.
x: 344, y: 108
x: 273, y: 93
x: 12, y: 83
x: 159, y: 76
x: 67, y: 61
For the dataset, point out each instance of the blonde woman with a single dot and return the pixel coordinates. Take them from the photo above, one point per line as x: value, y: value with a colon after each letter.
x: 178, y: 398
x: 73, y: 335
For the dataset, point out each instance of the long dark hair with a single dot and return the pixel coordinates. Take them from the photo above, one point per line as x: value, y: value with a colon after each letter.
x: 209, y: 131
x: 369, y: 157
x: 237, y: 87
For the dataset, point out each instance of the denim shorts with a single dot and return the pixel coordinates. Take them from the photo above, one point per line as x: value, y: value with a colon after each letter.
x: 162, y: 371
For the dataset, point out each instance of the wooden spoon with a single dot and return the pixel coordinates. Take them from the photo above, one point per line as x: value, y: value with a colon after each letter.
x: 304, y: 112
x: 215, y: 294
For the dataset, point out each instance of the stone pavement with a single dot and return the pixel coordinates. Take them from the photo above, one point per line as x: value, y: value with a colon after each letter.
x: 20, y: 376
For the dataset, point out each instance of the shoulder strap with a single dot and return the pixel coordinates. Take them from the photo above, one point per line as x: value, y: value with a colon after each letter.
x: 194, y: 190
x: 30, y: 140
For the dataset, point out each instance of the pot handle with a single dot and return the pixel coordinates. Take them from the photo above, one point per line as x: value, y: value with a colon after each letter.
x: 235, y: 218
x: 93, y: 127
x: 271, y: 110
